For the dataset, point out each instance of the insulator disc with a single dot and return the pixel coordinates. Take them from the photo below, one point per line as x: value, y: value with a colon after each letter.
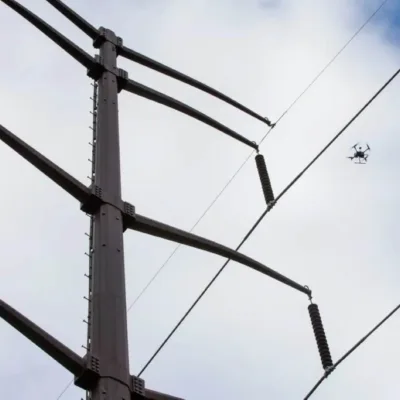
x: 320, y: 337
x: 264, y: 178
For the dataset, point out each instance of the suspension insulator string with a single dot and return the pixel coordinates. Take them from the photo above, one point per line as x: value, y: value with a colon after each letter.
x: 320, y: 338
x: 264, y: 179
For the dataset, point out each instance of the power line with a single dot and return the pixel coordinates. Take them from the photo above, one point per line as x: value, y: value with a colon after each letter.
x: 264, y: 214
x: 333, y: 59
x: 351, y: 351
x: 252, y: 152
x: 193, y: 227
x: 65, y: 389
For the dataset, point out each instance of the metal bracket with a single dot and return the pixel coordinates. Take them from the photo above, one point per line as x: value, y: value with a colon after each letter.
x: 94, y: 201
x: 100, y: 66
x: 104, y: 35
x: 87, y: 380
x: 128, y: 213
x: 98, y: 197
x: 137, y: 387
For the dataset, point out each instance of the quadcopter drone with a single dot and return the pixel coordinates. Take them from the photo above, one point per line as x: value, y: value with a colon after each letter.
x: 360, y: 154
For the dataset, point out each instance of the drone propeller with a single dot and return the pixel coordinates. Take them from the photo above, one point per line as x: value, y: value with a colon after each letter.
x: 368, y: 148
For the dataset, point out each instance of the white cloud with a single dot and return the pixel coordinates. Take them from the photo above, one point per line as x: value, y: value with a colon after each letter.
x: 335, y: 230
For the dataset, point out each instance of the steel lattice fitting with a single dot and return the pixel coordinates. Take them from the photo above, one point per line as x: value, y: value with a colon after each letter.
x: 264, y: 178
x: 320, y: 336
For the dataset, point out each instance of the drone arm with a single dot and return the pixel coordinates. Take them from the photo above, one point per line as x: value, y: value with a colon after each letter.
x: 71, y: 48
x: 151, y: 94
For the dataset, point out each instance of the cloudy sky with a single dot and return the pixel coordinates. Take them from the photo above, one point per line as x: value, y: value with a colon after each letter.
x: 335, y: 230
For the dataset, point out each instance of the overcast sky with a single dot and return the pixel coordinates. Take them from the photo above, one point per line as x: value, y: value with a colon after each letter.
x: 336, y: 230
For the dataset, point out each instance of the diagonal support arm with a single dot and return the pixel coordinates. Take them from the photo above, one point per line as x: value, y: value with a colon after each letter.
x: 71, y: 185
x: 51, y: 346
x: 151, y: 227
x: 153, y: 395
x: 158, y: 97
x: 155, y: 65
x: 141, y: 59
x: 71, y: 48
x: 75, y: 18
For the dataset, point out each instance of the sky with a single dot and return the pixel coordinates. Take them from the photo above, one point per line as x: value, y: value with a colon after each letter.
x: 335, y: 230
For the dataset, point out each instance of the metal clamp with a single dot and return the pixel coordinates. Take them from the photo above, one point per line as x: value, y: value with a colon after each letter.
x: 105, y: 35
x: 91, y: 373
x: 99, y: 197
x: 100, y: 67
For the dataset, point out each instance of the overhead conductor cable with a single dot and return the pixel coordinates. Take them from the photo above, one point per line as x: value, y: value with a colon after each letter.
x: 265, y: 212
x: 259, y: 144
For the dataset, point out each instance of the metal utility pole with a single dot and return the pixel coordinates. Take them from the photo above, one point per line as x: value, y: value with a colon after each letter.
x: 104, y: 371
x: 108, y: 322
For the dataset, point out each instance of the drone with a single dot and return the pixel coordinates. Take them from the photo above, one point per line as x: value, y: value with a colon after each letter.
x: 359, y: 154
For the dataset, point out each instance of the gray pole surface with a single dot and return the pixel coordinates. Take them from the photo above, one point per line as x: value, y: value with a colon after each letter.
x: 108, y: 323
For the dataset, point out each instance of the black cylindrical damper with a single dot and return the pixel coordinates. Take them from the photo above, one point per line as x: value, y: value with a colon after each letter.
x: 264, y: 178
x: 320, y: 337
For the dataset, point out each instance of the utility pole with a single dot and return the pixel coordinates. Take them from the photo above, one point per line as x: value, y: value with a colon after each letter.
x: 108, y: 322
x: 104, y: 371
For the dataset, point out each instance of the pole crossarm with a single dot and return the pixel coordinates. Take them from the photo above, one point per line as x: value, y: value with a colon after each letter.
x: 172, y: 73
x: 153, y: 395
x: 51, y: 346
x: 158, y: 97
x: 164, y: 231
x: 92, y: 198
x: 71, y: 48
x: 96, y: 66
x: 87, y: 370
x: 75, y: 18
x: 141, y: 59
x: 71, y: 185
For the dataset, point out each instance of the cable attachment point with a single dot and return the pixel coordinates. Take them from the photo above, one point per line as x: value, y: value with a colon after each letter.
x: 328, y: 371
x: 309, y: 294
x: 257, y: 148
x: 269, y: 123
x: 265, y: 181
x: 320, y: 337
